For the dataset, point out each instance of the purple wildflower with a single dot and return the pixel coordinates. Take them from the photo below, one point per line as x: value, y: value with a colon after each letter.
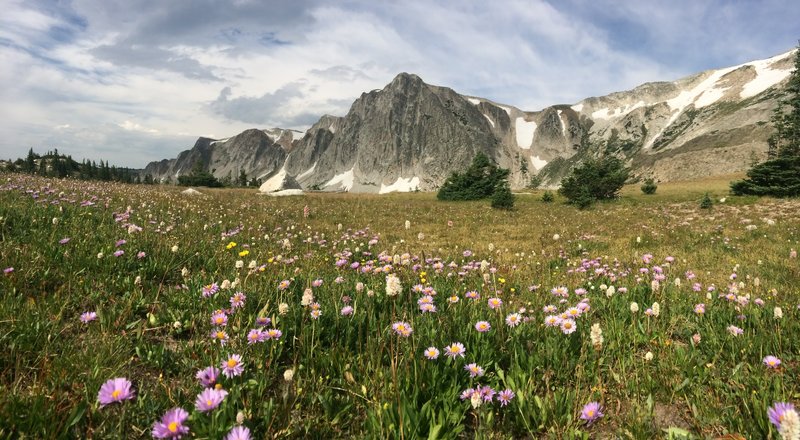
x: 114, y: 390
x: 505, y: 397
x: 274, y: 333
x: 474, y: 370
x: 64, y: 240
x: 221, y: 336
x: 777, y: 411
x: 255, y: 335
x: 402, y: 328
x: 208, y: 376
x: 209, y: 399
x: 771, y: 361
x: 171, y: 424
x: 8, y: 270
x: 568, y: 326
x: 431, y: 353
x: 238, y: 433
x: 495, y: 303
x: 347, y: 310
x: 263, y: 321
x: 233, y: 366
x: 735, y: 331
x: 455, y: 349
x: 119, y: 253
x: 591, y: 412
x: 87, y: 317
x: 483, y: 326
x: 237, y: 300
x: 219, y: 318
x: 210, y: 289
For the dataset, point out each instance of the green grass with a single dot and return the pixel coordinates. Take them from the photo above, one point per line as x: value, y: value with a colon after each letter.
x: 355, y: 378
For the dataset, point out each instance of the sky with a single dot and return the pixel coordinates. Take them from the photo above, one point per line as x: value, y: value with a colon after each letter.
x: 135, y: 81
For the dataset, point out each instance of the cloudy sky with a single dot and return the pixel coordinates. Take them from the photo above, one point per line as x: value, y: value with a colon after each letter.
x: 139, y: 80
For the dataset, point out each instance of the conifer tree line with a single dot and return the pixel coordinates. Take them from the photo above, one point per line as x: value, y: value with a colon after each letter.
x: 53, y: 164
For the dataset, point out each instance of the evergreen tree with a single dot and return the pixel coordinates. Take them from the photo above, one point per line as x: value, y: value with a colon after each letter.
x: 30, y: 162
x: 502, y: 197
x: 596, y: 179
x: 479, y: 181
x: 780, y: 175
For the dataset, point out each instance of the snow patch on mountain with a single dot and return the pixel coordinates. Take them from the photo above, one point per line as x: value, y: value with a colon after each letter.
x: 537, y: 162
x: 344, y: 180
x: 400, y: 185
x: 474, y: 101
x: 489, y: 119
x: 307, y: 172
x: 274, y: 183
x: 525, y: 131
x: 766, y: 76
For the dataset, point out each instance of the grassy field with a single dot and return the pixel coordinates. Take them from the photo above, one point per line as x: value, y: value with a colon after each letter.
x: 181, y: 283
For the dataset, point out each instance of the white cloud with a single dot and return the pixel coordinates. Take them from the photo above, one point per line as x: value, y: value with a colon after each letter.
x: 138, y: 81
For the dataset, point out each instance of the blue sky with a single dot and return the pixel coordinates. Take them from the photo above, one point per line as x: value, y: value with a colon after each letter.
x: 135, y: 81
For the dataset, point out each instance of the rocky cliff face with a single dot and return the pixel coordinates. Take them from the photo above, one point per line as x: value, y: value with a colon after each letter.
x: 412, y: 135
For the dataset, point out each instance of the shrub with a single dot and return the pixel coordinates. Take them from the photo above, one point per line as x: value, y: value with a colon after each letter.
x: 502, y: 197
x: 596, y: 179
x: 480, y: 181
x: 706, y: 202
x: 649, y: 186
x: 779, y: 177
x: 547, y: 197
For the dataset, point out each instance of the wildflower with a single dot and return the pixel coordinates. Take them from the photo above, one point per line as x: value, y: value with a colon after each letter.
x: 495, y: 303
x: 8, y: 270
x: 347, y: 310
x: 431, y: 353
x: 244, y: 253
x: 237, y: 300
x: 239, y: 264
x: 114, y: 390
x: 472, y: 295
x: 209, y: 399
x: 634, y: 307
x: 316, y: 283
x: 427, y: 308
x: 393, y: 285
x: 648, y: 356
x: 596, y: 336
x: 87, y: 317
x: 288, y: 375
x: 656, y: 307
x: 315, y: 314
x: 171, y: 424
x: 474, y: 370
x: 283, y: 285
x: 591, y: 412
x: 408, y: 225
x: 402, y: 328
x: 221, y: 336
x: 777, y: 313
x: 283, y: 308
x: 552, y: 320
x: 475, y: 399
x: 238, y: 433
x: 573, y: 312
x: 230, y: 245
x: 208, y: 376
x: 274, y: 333
x: 308, y: 298
x: 568, y: 326
x: 64, y: 240
x: 513, y: 319
x: 455, y: 349
x: 209, y: 289
x: 255, y: 335
x: 700, y: 308
x: 696, y: 338
x: 549, y: 309
x: 771, y: 361
x: 482, y: 326
x: 219, y: 318
x: 560, y: 291
x: 233, y: 366
x: 174, y: 250
x: 735, y: 331
x: 781, y: 412
x: 505, y: 396
x: 790, y: 426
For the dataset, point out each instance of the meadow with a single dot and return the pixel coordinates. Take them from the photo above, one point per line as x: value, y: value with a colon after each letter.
x: 395, y: 316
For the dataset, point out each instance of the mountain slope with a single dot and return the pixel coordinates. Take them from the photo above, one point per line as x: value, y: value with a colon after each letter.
x: 412, y: 135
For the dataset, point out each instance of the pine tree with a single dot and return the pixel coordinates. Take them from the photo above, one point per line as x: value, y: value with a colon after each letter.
x: 780, y: 175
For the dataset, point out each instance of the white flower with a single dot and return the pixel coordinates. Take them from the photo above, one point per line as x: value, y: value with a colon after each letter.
x: 408, y: 225
x: 648, y: 356
x: 283, y: 308
x: 174, y: 248
x: 790, y: 425
x: 484, y: 265
x: 638, y: 239
x: 596, y: 336
x: 308, y: 298
x: 491, y: 247
x: 654, y: 285
x: 99, y: 255
x: 677, y: 282
x: 777, y: 313
x: 556, y: 237
x: 184, y: 272
x: 137, y: 281
x: 288, y: 375
x: 226, y: 284
x: 239, y: 418
x: 634, y: 307
x: 420, y: 236
x: 252, y: 264
x: 239, y: 264
x: 656, y: 308
x: 476, y: 399
x: 55, y: 221
x: 393, y: 286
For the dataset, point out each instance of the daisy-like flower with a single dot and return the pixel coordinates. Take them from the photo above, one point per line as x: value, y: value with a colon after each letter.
x: 483, y: 326
x: 274, y: 333
x: 283, y: 285
x: 237, y: 300
x: 255, y: 335
x: 771, y: 361
x: 453, y: 299
x: 87, y: 317
x: 431, y: 353
x: 474, y: 370
x: 347, y: 310
x: 591, y: 412
x: 402, y: 328
x: 263, y: 321
x: 700, y: 309
x: 238, y: 433
x: 455, y: 349
x: 549, y: 309
x: 114, y: 390
x: 513, y: 319
x: 735, y: 331
x: 171, y: 424
x: 560, y: 291
x: 315, y: 314
x: 427, y: 308
x: 505, y: 396
x: 777, y: 413
x: 568, y: 326
x: 552, y: 320
x: 495, y: 303
x: 210, y: 289
x: 473, y: 295
x: 221, y: 336
x: 487, y: 393
x: 208, y: 376
x: 219, y: 318
x: 233, y: 366
x: 209, y: 399
x: 573, y: 312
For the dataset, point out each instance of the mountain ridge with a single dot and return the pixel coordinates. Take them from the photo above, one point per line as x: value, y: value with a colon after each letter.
x: 412, y: 135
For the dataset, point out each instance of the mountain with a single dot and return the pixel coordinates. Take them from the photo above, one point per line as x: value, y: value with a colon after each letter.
x: 412, y: 135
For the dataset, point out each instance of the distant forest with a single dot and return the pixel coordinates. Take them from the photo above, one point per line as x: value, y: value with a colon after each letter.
x: 53, y: 164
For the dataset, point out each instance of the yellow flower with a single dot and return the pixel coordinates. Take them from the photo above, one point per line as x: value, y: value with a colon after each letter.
x: 231, y: 245
x: 244, y: 253
x: 502, y: 280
